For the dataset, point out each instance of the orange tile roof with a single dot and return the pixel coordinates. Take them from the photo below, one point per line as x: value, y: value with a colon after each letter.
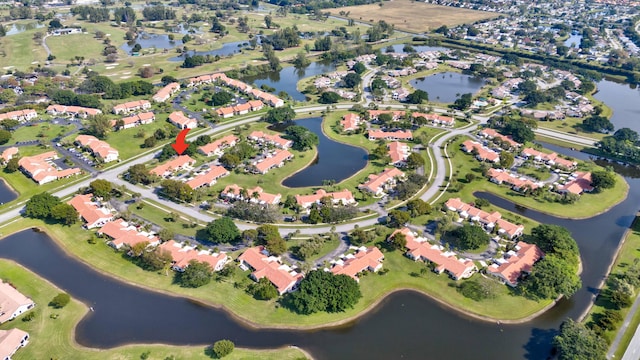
x: 90, y: 212
x: 435, y: 118
x: 242, y: 107
x: 377, y: 182
x: 97, y: 147
x: 9, y: 153
x: 142, y: 118
x: 552, y: 159
x: 369, y: 259
x: 268, y: 163
x: 211, y: 148
x: 484, y: 154
x: 19, y: 114
x: 350, y: 121
x: 500, y: 176
x: 209, y: 178
x: 132, y: 105
x: 580, y: 184
x: 516, y: 264
x: 398, y: 152
x: 225, y: 111
x: 178, y: 163
x: 373, y: 114
x: 283, y: 278
x: 256, y: 104
x: 178, y: 118
x: 164, y: 93
x: 39, y: 168
x: 344, y: 196
x: 270, y: 138
x: 10, y: 300
x: 72, y: 110
x: 392, y: 135
x: 11, y: 340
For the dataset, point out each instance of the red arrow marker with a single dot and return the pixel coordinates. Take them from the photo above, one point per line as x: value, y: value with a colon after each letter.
x: 180, y: 146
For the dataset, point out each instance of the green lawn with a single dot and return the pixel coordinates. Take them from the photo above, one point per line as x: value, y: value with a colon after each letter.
x: 102, y: 257
x: 54, y: 338
x: 589, y: 204
x: 19, y: 51
x: 151, y: 212
x: 43, y: 131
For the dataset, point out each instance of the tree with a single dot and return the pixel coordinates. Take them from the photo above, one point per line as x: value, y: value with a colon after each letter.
x: 551, y: 277
x: 463, y: 102
x: 324, y: 291
x: 178, y: 190
x: 301, y: 61
x: 250, y: 236
x: 359, y: 68
x: 329, y: 97
x: 12, y: 165
x: 59, y: 301
x: 469, y: 237
x: 279, y: 115
x: 166, y: 234
x: 155, y: 260
x: 597, y: 123
x: 418, y: 97
x: 222, y: 348
x: 65, y: 214
x: 303, y: 139
x: 577, y: 342
x: 222, y: 230
x: 101, y: 188
x: 418, y: 207
x: 5, y: 136
x: 269, y: 236
x: 398, y: 241
x: 352, y: 80
x: 99, y: 126
x: 506, y: 159
x: 263, y: 289
x: 221, y: 97
x: 195, y: 275
x: 230, y: 160
x: 555, y: 239
x: 360, y: 237
x: 41, y: 206
x: 626, y: 134
x: 603, y: 179
x: 268, y: 21
x: 139, y: 174
x: 398, y: 218
x: 414, y: 161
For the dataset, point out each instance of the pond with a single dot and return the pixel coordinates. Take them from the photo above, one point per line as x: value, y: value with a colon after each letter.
x: 287, y: 79
x: 227, y: 49
x: 158, y: 41
x: 624, y: 102
x: 573, y: 41
x: 6, y: 193
x: 335, y: 161
x: 14, y: 29
x: 448, y: 86
x: 399, y: 48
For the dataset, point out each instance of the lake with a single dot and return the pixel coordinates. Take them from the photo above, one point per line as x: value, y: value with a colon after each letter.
x: 227, y: 49
x: 14, y: 29
x: 335, y: 161
x: 573, y: 41
x: 287, y: 79
x: 6, y: 193
x: 446, y: 87
x: 158, y: 41
x: 624, y: 102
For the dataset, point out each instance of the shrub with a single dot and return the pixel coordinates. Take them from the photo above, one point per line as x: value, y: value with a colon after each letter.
x: 222, y: 348
x: 61, y: 300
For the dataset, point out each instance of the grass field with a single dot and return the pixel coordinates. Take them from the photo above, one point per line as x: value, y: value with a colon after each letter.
x: 588, y: 205
x: 21, y: 51
x: 53, y: 338
x: 412, y: 16
x: 44, y: 131
x: 505, y: 306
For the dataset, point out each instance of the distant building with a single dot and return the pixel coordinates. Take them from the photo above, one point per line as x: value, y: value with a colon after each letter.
x: 12, y: 302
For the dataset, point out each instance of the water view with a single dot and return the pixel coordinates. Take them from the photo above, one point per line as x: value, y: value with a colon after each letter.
x: 335, y: 161
x: 6, y: 193
x: 448, y: 86
x: 624, y: 102
x: 158, y: 41
x: 287, y: 79
x: 227, y: 49
x: 14, y: 29
x: 573, y: 41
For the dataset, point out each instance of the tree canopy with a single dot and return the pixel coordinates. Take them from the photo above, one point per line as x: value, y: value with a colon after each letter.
x: 101, y: 188
x: 603, y: 179
x: 41, y: 206
x: 302, y: 137
x: 222, y: 230
x: 195, y: 275
x: 577, y: 342
x: 269, y: 236
x: 552, y: 276
x: 279, y: 115
x: 323, y: 291
x: 469, y: 237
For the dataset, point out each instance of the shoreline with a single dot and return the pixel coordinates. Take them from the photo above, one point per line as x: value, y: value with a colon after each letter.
x: 253, y: 325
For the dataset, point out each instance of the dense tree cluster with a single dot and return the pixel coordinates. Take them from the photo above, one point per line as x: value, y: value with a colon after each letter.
x: 324, y: 291
x: 284, y: 38
x: 139, y: 174
x: 222, y: 230
x: 263, y: 289
x: 329, y: 97
x: 197, y: 274
x: 222, y: 348
x: 254, y: 212
x: 469, y: 237
x: 158, y: 12
x: 48, y: 207
x: 269, y: 236
x: 303, y: 139
x: 597, y: 123
x: 577, y: 342
x: 98, y: 84
x: 91, y: 13
x: 68, y: 97
x: 279, y: 115
x: 329, y: 214
x: 176, y: 190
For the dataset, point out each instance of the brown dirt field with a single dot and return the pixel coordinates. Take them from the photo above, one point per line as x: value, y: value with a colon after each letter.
x: 412, y: 16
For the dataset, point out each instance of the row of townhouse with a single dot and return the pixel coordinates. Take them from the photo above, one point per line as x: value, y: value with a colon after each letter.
x: 374, y: 135
x: 382, y: 183
x: 344, y: 197
x: 515, y: 263
x: 209, y: 178
x: 240, y: 109
x: 183, y: 254
x: 100, y: 149
x: 398, y: 153
x: 257, y: 259
x: 11, y: 341
x: 19, y: 115
x: 418, y: 248
x: 265, y: 97
x: 350, y: 122
x: 265, y: 138
x: 436, y: 119
x: 488, y: 220
x: 255, y: 195
x: 92, y: 212
x: 41, y: 169
x: 75, y: 111
x: 579, y: 182
x: 517, y: 183
x: 552, y: 159
x: 122, y: 234
x: 396, y: 115
x: 181, y: 121
x: 217, y: 147
x: 165, y: 93
x: 131, y: 106
x: 134, y: 120
x: 182, y: 162
x: 12, y: 304
x: 272, y: 160
x: 482, y: 152
x: 364, y: 259
x: 491, y: 134
x: 9, y: 153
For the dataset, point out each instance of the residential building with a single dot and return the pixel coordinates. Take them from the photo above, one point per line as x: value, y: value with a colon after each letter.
x: 135, y: 120
x: 418, y: 248
x: 255, y: 195
x: 182, y: 162
x: 257, y: 259
x: 132, y: 106
x: 12, y: 302
x: 256, y: 105
x: 517, y: 183
x: 552, y: 159
x: 486, y: 219
x: 515, y: 263
x: 217, y: 147
x: 379, y: 184
x: 344, y: 197
x: 492, y: 134
x: 225, y: 112
x: 242, y: 109
x: 271, y: 161
x: 92, y: 212
x: 390, y: 135
x: 183, y: 254
x: 578, y: 183
x: 165, y: 93
x: 76, y: 111
x: 9, y: 153
x: 266, y: 97
x: 11, y: 340
x: 209, y: 178
x: 350, y: 122
x: 123, y: 234
x: 482, y: 153
x: 42, y: 169
x: 207, y: 79
x: 365, y: 259
x: 435, y: 119
x: 277, y: 140
x: 178, y: 119
x: 395, y: 115
x: 398, y: 153
x: 19, y: 115
x: 100, y: 149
